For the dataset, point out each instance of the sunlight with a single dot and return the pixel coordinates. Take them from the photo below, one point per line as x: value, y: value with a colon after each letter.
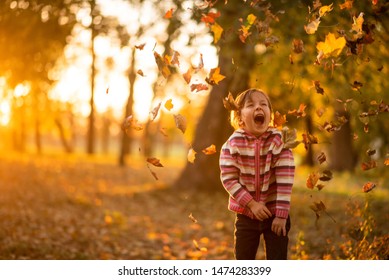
x: 5, y: 113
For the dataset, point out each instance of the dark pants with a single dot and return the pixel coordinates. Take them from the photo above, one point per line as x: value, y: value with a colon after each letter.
x: 247, y: 235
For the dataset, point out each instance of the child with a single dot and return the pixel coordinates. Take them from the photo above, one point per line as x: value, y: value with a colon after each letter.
x: 258, y: 174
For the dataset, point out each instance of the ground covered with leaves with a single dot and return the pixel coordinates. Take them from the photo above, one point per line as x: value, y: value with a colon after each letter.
x: 56, y: 207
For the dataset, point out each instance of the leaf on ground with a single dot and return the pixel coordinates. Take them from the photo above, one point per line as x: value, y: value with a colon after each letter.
x: 180, y: 121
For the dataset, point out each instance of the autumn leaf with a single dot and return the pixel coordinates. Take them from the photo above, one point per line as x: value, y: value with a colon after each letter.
x: 198, y: 87
x: 154, y: 161
x: 152, y: 173
x: 298, y: 46
x: 214, y: 76
x: 321, y: 158
x: 369, y: 186
x: 332, y: 46
x: 244, y: 30
x: 357, y: 25
x: 210, y: 18
x: 312, y: 180
x: 229, y: 103
x: 191, y: 155
x: 279, y: 120
x: 155, y: 111
x: 326, y: 175
x: 217, y: 32
x: 169, y: 104
x: 348, y: 4
x: 169, y: 14
x: 318, y: 88
x: 162, y: 65
x: 300, y: 112
x: 188, y: 75
x: 180, y: 121
x: 318, y: 208
x: 175, y: 58
x: 107, y: 90
x: 325, y: 9
x: 140, y: 47
x: 209, y: 150
x: 356, y: 85
x: 200, y: 65
x: 368, y: 165
x: 130, y: 122
x: 202, y: 249
x: 140, y: 72
x: 311, y: 28
x: 193, y: 219
x: 386, y: 162
x: 370, y: 152
x: 309, y: 139
x: 289, y: 138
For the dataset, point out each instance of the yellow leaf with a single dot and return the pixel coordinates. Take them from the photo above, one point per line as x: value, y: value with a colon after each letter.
x: 169, y: 105
x: 357, y: 25
x: 191, y: 155
x: 311, y: 28
x: 215, y: 77
x: 332, y: 46
x: 325, y: 9
x: 210, y: 150
x: 217, y: 32
x: 251, y: 19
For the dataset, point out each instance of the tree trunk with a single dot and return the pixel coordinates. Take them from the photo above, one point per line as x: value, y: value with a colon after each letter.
x: 91, y: 125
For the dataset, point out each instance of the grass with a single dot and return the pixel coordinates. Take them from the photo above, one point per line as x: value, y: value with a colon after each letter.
x: 80, y: 207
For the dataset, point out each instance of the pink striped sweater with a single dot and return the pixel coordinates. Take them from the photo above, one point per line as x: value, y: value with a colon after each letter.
x: 257, y: 168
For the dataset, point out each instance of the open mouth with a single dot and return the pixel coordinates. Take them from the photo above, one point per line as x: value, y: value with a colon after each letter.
x: 259, y: 119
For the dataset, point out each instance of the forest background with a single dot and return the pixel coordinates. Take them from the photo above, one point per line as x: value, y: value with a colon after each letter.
x: 113, y: 114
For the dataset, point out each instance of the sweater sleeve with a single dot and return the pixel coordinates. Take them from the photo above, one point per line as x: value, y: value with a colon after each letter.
x: 284, y: 176
x: 229, y: 175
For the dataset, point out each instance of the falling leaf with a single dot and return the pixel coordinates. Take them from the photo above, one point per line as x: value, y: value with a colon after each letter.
x: 309, y: 139
x: 357, y: 86
x: 279, y: 120
x: 214, y: 76
x: 188, y: 75
x: 332, y: 46
x: 298, y: 46
x: 348, y: 4
x: 174, y: 60
x: 325, y: 9
x: 169, y: 14
x: 300, y: 112
x: 193, y: 219
x: 191, y: 155
x: 140, y: 47
x: 169, y: 104
x: 210, y: 18
x: 180, y: 121
x: 368, y: 165
x: 210, y: 150
x: 107, y: 91
x: 140, y: 72
x: 155, y: 111
x: 289, y: 138
x: 152, y: 173
x: 369, y: 186
x: 154, y: 161
x: 198, y: 87
x: 312, y: 180
x: 130, y: 122
x: 200, y: 65
x: 370, y: 152
x: 386, y: 162
x: 217, y: 32
x: 357, y: 25
x: 321, y: 158
x: 162, y: 66
x: 229, y: 103
x: 311, y: 28
x: 318, y: 88
x: 326, y: 175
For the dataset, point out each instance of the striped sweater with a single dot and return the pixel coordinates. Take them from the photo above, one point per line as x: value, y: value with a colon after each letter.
x: 257, y: 168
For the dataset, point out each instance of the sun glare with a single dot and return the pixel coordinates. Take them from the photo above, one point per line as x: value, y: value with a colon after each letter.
x: 5, y: 113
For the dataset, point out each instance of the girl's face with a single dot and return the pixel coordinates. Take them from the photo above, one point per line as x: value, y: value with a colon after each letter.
x: 255, y: 114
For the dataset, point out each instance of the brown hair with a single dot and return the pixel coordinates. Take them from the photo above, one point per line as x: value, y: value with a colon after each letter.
x: 240, y: 100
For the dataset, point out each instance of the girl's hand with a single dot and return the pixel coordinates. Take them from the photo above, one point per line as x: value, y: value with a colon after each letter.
x: 259, y: 210
x: 279, y: 226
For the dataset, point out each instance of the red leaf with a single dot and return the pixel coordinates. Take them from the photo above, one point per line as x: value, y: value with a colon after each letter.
x: 154, y: 161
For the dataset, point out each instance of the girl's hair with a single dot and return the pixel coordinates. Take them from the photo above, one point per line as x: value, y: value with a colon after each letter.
x: 240, y: 100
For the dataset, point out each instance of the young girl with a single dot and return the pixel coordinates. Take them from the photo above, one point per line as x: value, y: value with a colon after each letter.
x: 258, y: 174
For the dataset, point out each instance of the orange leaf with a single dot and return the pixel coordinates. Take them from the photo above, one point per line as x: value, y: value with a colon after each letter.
x: 368, y: 187
x: 169, y: 105
x: 192, y: 218
x: 298, y: 45
x: 210, y: 150
x: 312, y: 180
x: 130, y: 122
x: 279, y: 120
x: 368, y: 165
x: 229, y: 103
x: 332, y: 46
x: 180, y: 122
x: 155, y: 162
x: 325, y: 9
x: 214, y: 76
x: 198, y: 87
x: 188, y: 75
x: 140, y: 72
x: 169, y: 14
x: 162, y: 66
x: 191, y: 155
x: 386, y: 162
x: 174, y: 60
x: 300, y: 112
x: 155, y: 111
x: 348, y: 4
x: 210, y: 17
